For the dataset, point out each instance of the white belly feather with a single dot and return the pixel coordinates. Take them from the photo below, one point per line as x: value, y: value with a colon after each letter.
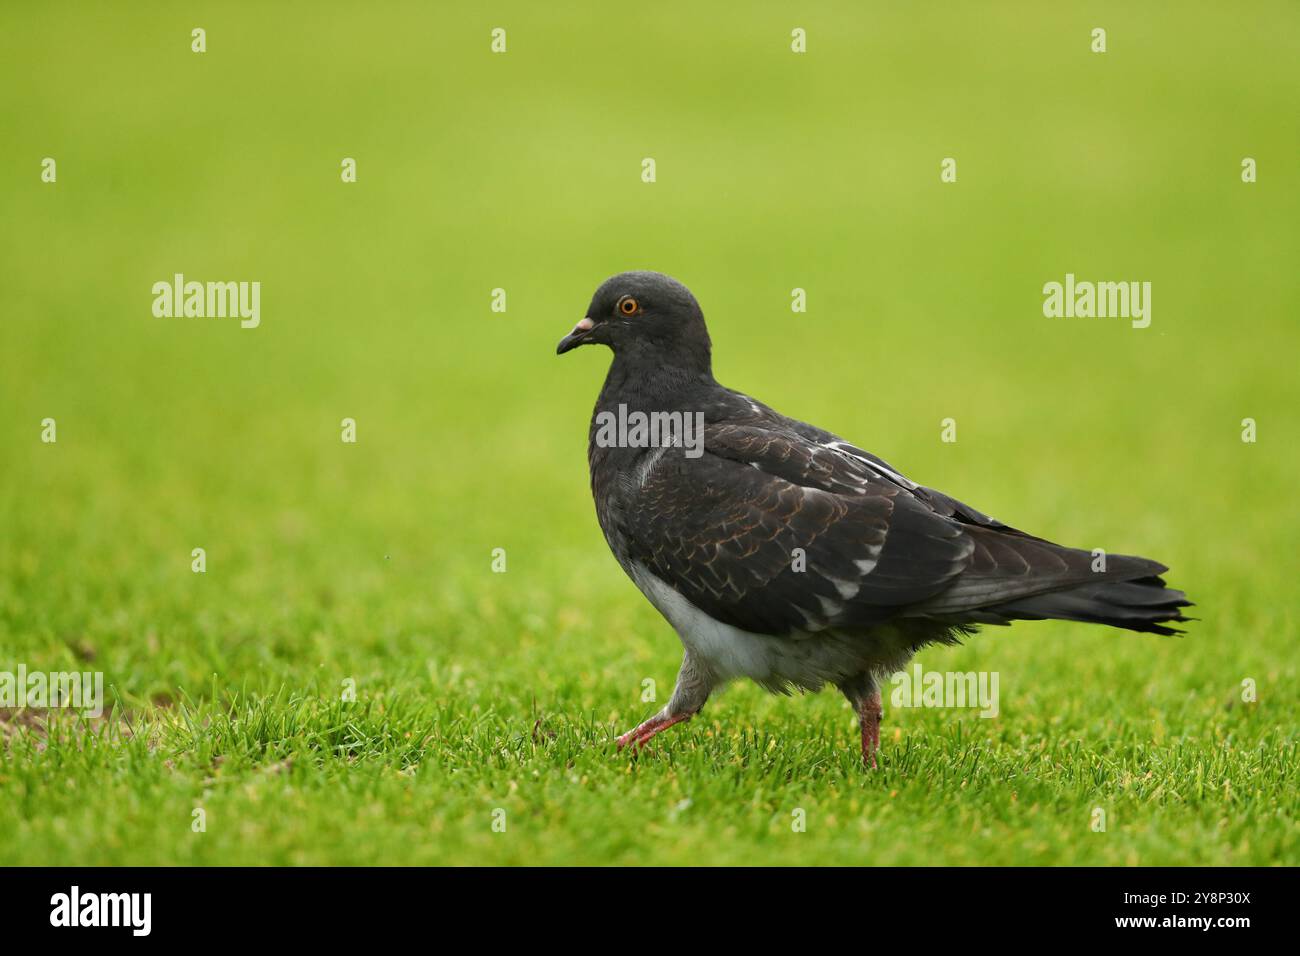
x: 805, y: 661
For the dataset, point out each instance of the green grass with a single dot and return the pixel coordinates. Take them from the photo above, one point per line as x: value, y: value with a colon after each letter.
x: 479, y: 691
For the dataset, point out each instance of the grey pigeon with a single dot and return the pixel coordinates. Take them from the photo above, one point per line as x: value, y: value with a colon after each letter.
x: 783, y: 553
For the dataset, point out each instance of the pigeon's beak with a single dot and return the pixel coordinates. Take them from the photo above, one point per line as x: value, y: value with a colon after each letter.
x: 575, y: 338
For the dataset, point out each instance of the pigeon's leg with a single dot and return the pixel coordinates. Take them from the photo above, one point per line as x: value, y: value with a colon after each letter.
x: 869, y: 716
x: 692, y: 690
x: 865, y: 698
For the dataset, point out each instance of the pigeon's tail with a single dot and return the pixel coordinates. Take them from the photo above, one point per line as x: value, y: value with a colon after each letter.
x: 1139, y: 604
x: 1016, y: 577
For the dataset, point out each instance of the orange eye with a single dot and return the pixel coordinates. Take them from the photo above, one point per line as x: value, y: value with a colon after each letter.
x: 627, y: 305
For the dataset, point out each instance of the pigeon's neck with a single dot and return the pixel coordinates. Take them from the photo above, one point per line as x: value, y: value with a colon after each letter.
x: 642, y: 383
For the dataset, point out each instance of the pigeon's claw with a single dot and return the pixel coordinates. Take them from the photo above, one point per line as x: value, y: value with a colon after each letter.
x: 641, y: 734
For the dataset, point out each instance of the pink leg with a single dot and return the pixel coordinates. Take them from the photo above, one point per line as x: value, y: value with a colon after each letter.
x: 869, y: 717
x: 645, y: 731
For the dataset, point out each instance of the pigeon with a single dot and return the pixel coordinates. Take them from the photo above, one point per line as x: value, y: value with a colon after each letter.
x: 783, y: 553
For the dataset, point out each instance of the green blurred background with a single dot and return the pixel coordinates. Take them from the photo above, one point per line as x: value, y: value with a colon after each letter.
x: 522, y: 171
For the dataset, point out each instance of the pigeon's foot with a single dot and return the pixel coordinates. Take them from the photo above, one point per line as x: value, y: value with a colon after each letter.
x: 641, y: 734
x: 869, y: 717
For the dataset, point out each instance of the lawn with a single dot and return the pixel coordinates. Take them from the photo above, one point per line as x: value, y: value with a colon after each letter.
x: 486, y: 700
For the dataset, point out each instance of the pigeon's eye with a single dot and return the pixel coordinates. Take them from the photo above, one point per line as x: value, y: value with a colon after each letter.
x: 628, y: 305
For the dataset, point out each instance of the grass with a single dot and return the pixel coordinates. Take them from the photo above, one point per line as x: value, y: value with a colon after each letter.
x: 371, y: 563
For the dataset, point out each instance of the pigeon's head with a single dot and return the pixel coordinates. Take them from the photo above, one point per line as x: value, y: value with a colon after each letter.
x: 645, y: 314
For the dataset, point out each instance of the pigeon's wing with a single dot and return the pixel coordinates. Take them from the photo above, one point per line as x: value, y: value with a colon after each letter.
x: 1020, y: 563
x: 880, y: 469
x: 776, y: 534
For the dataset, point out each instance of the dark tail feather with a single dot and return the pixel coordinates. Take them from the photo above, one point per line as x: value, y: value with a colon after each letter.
x: 1142, y: 604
